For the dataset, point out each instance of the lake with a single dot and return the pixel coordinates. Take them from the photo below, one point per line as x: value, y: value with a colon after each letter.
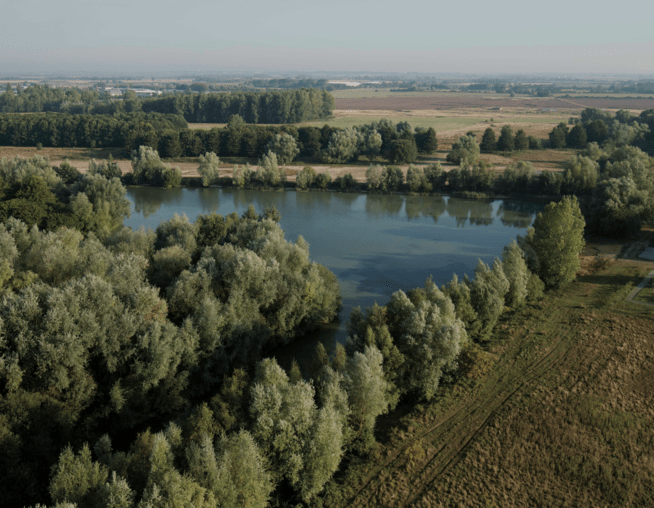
x: 375, y: 244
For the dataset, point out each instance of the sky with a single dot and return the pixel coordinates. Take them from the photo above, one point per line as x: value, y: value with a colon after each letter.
x: 205, y: 36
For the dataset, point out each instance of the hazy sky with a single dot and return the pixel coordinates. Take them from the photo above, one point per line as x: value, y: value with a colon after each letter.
x: 468, y: 36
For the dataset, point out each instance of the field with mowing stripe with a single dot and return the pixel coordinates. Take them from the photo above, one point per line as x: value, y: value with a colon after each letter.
x: 562, y: 417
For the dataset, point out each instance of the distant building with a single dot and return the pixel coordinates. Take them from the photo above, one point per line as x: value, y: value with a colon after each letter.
x: 114, y: 92
x: 144, y: 92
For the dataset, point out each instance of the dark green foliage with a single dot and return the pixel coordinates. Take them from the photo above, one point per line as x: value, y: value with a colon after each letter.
x: 67, y: 172
x: 535, y: 143
x: 577, y: 137
x: 557, y: 136
x: 345, y: 182
x: 596, y: 131
x: 274, y: 107
x: 435, y: 176
x: 521, y: 140
x: 506, y: 141
x: 426, y: 141
x: 402, y: 150
x: 488, y: 141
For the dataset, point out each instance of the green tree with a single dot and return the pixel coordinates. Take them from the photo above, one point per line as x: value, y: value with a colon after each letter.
x: 506, y: 141
x: 305, y: 178
x: 284, y: 146
x: 343, y: 145
x: 402, y: 150
x: 209, y: 168
x: 553, y: 244
x: 580, y: 175
x: 521, y: 140
x: 488, y: 141
x: 487, y: 292
x: 577, y: 137
x: 466, y: 147
x: 557, y: 135
x: 375, y: 178
x: 426, y: 140
x: 77, y: 479
x: 517, y: 273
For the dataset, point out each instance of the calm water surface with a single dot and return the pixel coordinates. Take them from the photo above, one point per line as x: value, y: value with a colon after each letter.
x: 375, y: 244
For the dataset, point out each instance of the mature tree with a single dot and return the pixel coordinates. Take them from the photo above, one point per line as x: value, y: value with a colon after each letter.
x: 517, y: 177
x: 465, y: 148
x: 535, y: 143
x: 517, y: 273
x: 436, y: 176
x: 506, y: 141
x: 284, y: 146
x: 375, y: 178
x: 209, y: 168
x: 553, y: 244
x: 369, y: 143
x: 269, y: 173
x: 393, y: 177
x: 402, y: 150
x: 416, y: 179
x: 487, y: 292
x: 580, y: 175
x: 619, y: 206
x: 557, y: 135
x: 305, y: 178
x: 488, y: 141
x: 577, y: 137
x: 241, y: 175
x: 343, y: 145
x: 596, y: 131
x: 521, y: 140
x: 426, y: 140
x: 429, y: 335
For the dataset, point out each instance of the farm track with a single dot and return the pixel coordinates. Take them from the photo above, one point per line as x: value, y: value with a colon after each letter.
x: 466, y: 423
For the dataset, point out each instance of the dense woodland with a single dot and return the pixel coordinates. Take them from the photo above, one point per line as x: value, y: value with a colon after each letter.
x: 132, y: 362
x: 289, y: 106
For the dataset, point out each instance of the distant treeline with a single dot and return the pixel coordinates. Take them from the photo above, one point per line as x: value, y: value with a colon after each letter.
x: 127, y: 130
x: 289, y: 106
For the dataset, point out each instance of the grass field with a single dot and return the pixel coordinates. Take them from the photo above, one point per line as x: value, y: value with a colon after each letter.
x: 561, y: 418
x: 646, y: 295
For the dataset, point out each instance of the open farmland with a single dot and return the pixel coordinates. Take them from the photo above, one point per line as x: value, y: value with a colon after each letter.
x: 425, y: 101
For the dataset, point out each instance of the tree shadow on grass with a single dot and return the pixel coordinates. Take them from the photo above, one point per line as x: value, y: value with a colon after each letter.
x: 611, y: 279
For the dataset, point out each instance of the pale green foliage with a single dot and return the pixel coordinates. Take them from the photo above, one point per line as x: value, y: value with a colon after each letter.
x: 554, y: 242
x: 429, y: 335
x: 516, y: 177
x: 417, y: 180
x: 303, y: 443
x: 594, y: 152
x: 369, y: 143
x: 367, y: 390
x: 246, y: 481
x: 241, y: 176
x: 209, y: 168
x: 129, y: 241
x: 108, y: 200
x: 343, y: 145
x: 15, y: 171
x: 284, y: 146
x: 77, y: 479
x: 619, y: 206
x: 116, y: 493
x: 269, y: 173
x: 487, y: 293
x: 580, y: 175
x: 107, y: 169
x: 517, y: 273
x: 176, y: 231
x: 147, y: 167
x: 375, y: 178
x: 465, y: 148
x: 459, y: 293
x: 305, y: 178
x: 622, y: 134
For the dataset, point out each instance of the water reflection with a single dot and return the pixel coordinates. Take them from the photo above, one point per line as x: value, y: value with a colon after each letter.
x: 149, y: 201
x: 383, y: 205
x: 425, y: 206
x: 374, y: 244
x: 478, y: 212
x: 518, y: 214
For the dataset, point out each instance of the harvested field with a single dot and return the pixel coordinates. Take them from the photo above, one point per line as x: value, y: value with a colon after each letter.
x: 447, y: 102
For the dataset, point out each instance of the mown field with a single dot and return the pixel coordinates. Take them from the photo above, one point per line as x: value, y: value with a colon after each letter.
x: 562, y: 417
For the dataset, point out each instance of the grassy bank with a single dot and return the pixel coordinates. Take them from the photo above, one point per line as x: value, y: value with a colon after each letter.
x: 561, y: 418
